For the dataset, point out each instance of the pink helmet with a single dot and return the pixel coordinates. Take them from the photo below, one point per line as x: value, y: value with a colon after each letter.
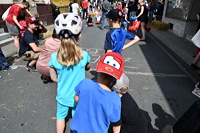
x: 68, y: 21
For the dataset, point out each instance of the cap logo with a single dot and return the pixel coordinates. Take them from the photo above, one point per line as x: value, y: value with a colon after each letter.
x: 112, y: 62
x: 33, y: 18
x: 109, y: 69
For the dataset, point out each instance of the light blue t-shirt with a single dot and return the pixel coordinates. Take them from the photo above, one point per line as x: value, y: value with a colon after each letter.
x: 96, y: 108
x: 68, y: 78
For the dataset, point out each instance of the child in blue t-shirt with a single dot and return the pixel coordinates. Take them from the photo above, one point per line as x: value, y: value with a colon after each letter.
x: 68, y: 65
x: 98, y: 105
x: 116, y: 37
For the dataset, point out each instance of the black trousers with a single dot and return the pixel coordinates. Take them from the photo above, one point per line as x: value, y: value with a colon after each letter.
x: 190, y: 120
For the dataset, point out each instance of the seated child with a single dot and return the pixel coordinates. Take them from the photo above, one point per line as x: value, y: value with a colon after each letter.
x: 125, y: 19
x: 132, y: 118
x: 89, y: 22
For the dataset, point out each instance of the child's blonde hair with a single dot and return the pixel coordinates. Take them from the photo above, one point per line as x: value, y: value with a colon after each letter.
x: 119, y: 3
x: 69, y: 53
x: 125, y: 9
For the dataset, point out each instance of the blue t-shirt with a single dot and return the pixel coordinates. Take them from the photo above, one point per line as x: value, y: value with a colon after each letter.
x: 68, y: 78
x: 25, y: 41
x: 96, y: 108
x: 116, y: 38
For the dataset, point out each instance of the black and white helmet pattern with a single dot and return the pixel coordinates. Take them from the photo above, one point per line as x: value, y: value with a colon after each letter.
x: 68, y: 21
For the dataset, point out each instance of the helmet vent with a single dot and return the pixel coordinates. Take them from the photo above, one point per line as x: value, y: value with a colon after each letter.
x: 73, y: 22
x: 65, y: 15
x: 57, y: 23
x: 76, y: 17
x: 64, y: 25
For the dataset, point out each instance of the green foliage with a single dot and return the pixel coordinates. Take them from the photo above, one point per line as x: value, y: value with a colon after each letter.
x: 159, y: 25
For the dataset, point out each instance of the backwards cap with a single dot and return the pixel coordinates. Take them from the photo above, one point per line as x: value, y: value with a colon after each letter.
x: 111, y: 63
x: 115, y: 14
x: 31, y: 20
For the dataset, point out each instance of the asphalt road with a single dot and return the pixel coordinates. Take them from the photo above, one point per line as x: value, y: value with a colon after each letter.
x: 157, y: 83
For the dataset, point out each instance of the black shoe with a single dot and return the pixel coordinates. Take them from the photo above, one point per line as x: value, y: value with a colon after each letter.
x: 30, y: 68
x: 194, y: 66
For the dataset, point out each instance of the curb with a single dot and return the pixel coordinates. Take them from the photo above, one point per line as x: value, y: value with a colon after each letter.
x: 193, y: 74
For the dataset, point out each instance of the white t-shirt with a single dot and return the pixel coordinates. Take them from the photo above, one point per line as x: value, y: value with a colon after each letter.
x: 75, y: 8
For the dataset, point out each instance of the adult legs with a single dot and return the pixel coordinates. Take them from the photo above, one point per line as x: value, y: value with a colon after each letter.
x: 86, y: 11
x: 197, y: 59
x: 3, y: 62
x: 83, y: 13
x: 143, y: 30
x: 16, y: 41
x: 103, y: 18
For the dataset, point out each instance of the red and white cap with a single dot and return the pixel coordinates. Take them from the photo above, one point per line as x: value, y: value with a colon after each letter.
x: 31, y: 20
x: 111, y: 63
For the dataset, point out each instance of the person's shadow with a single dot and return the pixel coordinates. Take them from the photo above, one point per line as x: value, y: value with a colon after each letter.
x: 163, y: 117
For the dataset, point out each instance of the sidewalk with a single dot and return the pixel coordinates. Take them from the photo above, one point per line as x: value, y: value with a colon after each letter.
x: 180, y: 48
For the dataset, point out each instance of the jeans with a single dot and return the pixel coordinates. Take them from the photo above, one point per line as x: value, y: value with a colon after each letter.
x: 85, y: 11
x: 4, y: 64
x: 103, y: 18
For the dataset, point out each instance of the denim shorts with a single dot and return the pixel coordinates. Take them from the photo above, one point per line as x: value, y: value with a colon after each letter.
x: 124, y: 24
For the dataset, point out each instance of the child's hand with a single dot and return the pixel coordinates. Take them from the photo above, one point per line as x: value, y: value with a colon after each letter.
x: 128, y: 21
x: 21, y: 27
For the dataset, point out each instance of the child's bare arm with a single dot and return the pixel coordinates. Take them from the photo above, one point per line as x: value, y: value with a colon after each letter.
x: 87, y: 67
x: 76, y: 98
x: 53, y: 74
x: 116, y: 129
x: 136, y: 39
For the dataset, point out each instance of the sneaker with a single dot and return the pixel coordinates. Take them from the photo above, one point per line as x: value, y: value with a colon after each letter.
x: 194, y: 66
x: 30, y: 68
x: 0, y: 77
x: 196, y: 92
x: 11, y: 68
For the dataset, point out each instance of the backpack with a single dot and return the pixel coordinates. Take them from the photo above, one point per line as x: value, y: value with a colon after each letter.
x: 5, y: 14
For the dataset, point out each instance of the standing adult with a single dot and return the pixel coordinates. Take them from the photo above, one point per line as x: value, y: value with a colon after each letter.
x: 75, y: 7
x: 160, y: 7
x: 85, y: 9
x: 198, y: 28
x: 198, y: 18
x: 106, y: 7
x: 143, y: 17
x: 12, y: 21
x: 33, y: 9
x: 151, y: 9
x: 132, y: 8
